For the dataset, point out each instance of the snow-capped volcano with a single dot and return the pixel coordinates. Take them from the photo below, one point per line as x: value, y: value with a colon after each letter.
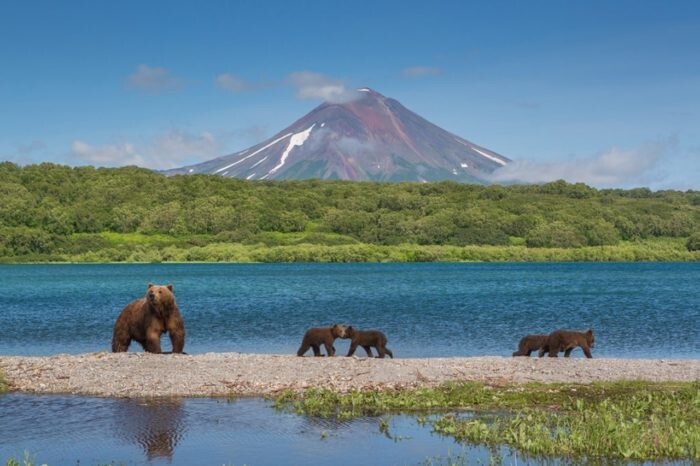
x: 370, y: 138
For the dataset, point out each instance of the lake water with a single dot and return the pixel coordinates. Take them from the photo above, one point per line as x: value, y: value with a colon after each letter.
x: 637, y: 310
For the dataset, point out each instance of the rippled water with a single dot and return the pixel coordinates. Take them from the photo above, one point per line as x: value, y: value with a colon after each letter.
x: 62, y: 430
x: 636, y: 309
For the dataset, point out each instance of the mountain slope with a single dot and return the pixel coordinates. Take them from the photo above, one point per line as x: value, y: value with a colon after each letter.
x: 370, y: 138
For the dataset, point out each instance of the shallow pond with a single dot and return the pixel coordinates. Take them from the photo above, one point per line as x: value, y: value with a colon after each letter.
x: 61, y: 430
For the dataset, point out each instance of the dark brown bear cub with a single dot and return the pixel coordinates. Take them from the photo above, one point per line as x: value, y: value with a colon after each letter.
x: 566, y: 341
x: 145, y: 320
x: 530, y: 343
x: 367, y: 339
x: 317, y: 336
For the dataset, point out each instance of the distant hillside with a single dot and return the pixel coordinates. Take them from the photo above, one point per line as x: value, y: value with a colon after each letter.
x: 58, y: 213
x: 370, y: 138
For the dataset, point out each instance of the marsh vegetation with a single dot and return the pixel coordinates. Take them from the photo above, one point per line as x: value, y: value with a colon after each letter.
x: 596, y: 422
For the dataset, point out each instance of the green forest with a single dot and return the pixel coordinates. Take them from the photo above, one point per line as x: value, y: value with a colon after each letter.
x: 55, y: 213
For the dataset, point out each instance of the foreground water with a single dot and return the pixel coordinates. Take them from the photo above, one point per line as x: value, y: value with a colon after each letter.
x: 79, y: 430
x: 636, y: 309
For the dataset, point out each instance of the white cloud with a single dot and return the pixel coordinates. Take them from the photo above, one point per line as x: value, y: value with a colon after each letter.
x: 420, y: 71
x: 614, y: 168
x: 171, y: 149
x: 315, y: 86
x: 233, y: 83
x: 153, y: 79
x: 118, y: 154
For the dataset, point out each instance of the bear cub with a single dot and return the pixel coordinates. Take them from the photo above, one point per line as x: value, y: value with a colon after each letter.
x: 146, y: 319
x: 530, y: 343
x: 317, y: 336
x: 566, y: 341
x: 367, y: 339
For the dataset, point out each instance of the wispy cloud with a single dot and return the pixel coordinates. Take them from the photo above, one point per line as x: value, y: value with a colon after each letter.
x: 31, y: 148
x: 527, y: 104
x: 233, y: 83
x: 153, y: 79
x: 315, y: 86
x: 171, y: 149
x: 122, y: 153
x: 24, y: 154
x: 614, y: 168
x: 421, y: 71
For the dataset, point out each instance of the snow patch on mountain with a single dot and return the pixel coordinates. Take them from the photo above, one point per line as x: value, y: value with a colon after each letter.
x: 298, y: 139
x: 489, y: 156
x: 256, y: 152
x: 258, y: 162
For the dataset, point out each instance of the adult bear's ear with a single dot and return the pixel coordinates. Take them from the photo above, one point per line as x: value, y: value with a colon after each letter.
x: 590, y: 331
x: 170, y: 286
x: 150, y: 285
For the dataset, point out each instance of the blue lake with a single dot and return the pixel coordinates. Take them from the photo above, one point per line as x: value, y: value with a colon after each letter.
x: 637, y: 310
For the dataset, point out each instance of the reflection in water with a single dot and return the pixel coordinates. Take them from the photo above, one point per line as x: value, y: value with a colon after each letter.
x: 82, y: 430
x: 155, y: 425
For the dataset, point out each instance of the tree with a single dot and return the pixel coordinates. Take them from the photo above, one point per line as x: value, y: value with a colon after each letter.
x: 554, y: 235
x: 693, y: 243
x: 600, y: 232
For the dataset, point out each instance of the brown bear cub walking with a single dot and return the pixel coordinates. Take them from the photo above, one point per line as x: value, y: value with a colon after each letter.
x: 566, y: 341
x: 367, y: 339
x: 317, y: 336
x: 530, y: 343
x: 145, y: 320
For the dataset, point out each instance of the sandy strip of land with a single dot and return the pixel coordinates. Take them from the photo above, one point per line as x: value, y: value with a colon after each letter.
x: 224, y: 374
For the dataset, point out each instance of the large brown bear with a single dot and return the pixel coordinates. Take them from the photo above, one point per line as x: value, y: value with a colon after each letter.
x: 367, y: 339
x: 145, y: 320
x: 566, y: 341
x: 317, y: 336
x: 530, y: 343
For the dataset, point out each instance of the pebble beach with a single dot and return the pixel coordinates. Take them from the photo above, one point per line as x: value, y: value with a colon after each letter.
x: 237, y: 374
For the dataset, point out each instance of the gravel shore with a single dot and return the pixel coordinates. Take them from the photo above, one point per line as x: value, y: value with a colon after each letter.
x: 224, y: 374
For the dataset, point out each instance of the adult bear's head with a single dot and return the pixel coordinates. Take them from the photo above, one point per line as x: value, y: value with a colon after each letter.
x: 161, y: 298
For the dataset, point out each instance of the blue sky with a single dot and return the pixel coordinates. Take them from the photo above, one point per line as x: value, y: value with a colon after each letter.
x: 602, y: 92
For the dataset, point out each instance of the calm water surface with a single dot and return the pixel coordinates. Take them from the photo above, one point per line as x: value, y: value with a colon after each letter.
x: 62, y: 430
x: 636, y: 310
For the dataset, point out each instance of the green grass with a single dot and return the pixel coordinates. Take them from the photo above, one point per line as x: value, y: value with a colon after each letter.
x: 4, y: 387
x: 619, y: 420
x: 326, y: 247
x: 27, y: 460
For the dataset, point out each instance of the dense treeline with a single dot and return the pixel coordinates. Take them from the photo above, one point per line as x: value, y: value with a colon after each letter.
x: 52, y: 212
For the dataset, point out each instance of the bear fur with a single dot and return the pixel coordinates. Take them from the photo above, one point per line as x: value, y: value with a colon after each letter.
x: 317, y: 336
x: 530, y: 343
x: 367, y: 339
x: 566, y: 341
x: 146, y: 319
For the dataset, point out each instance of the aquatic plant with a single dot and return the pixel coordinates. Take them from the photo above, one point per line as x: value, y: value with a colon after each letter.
x: 4, y: 387
x: 27, y: 460
x: 623, y: 420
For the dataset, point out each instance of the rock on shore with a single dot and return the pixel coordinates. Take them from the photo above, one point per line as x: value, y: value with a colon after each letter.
x: 224, y: 374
